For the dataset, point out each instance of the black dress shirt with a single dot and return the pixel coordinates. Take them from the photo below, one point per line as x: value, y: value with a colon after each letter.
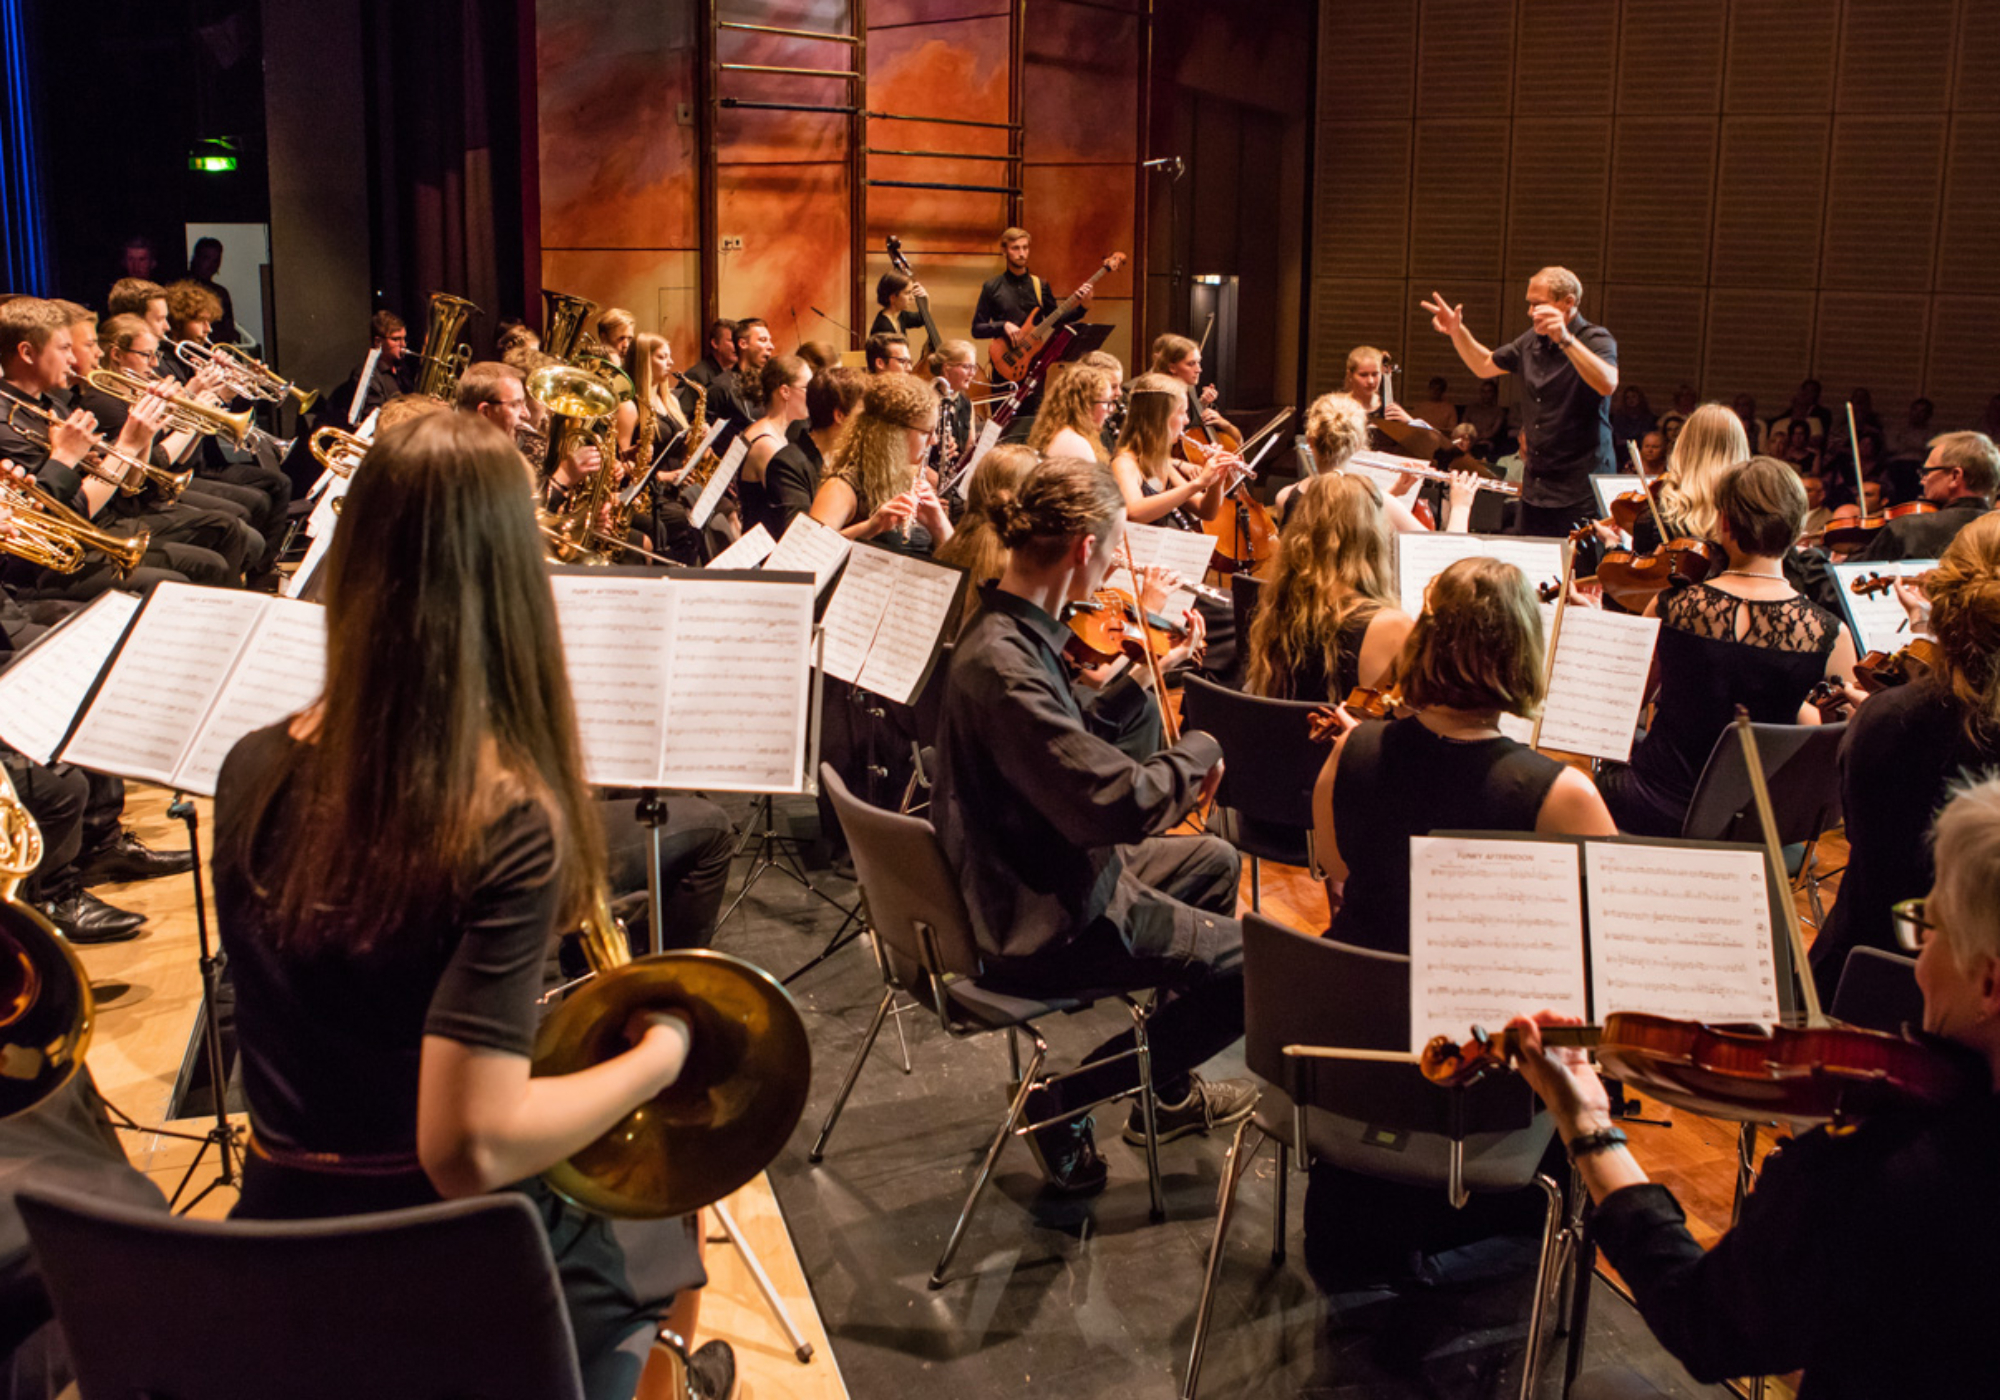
x: 1009, y: 298
x: 1030, y: 805
x: 705, y: 372
x: 1922, y: 536
x: 791, y: 478
x: 1865, y: 1257
x: 382, y: 387
x: 1566, y: 424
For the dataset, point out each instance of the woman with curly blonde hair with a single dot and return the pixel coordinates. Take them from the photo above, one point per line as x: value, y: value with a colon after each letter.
x: 1336, y: 429
x: 1071, y: 421
x: 1327, y: 619
x: 874, y: 487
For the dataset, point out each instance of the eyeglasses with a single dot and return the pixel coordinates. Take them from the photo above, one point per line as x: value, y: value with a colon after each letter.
x: 1913, y: 930
x: 1927, y: 470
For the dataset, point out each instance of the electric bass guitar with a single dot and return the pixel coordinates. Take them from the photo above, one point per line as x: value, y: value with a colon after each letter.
x: 1012, y: 358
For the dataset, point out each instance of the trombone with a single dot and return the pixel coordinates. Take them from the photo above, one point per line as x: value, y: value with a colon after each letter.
x: 244, y: 373
x: 37, y: 527
x: 128, y: 473
x: 185, y: 413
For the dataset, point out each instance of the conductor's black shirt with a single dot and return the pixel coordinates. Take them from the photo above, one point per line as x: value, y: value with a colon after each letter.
x: 1565, y: 424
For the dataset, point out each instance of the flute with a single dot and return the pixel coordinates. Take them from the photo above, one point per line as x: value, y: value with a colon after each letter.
x: 1412, y: 467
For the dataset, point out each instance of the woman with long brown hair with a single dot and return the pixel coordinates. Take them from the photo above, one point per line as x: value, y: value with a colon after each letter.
x: 874, y: 487
x: 975, y: 545
x: 391, y: 868
x: 1159, y: 488
x: 1327, y: 619
x: 644, y: 436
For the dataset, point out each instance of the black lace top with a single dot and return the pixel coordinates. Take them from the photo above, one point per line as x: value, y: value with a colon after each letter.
x: 1717, y: 651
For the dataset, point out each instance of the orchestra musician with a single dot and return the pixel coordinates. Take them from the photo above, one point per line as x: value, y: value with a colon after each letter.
x: 887, y: 352
x: 615, y: 328
x: 1905, y: 746
x: 718, y: 357
x: 642, y: 438
x: 1362, y: 382
x: 874, y: 487
x: 1864, y: 1255
x: 135, y: 296
x: 422, y: 960
x: 1569, y: 371
x: 1075, y: 404
x: 1959, y: 478
x: 1474, y: 654
x: 1337, y: 428
x: 792, y: 476
x: 1328, y: 619
x: 388, y: 334
x: 786, y: 380
x: 1180, y: 358
x: 1159, y: 488
x: 975, y: 545
x: 1008, y: 301
x: 957, y: 363
x: 1742, y: 637
x: 896, y: 296
x: 1057, y: 835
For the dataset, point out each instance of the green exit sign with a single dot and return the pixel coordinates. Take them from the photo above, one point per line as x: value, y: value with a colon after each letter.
x: 212, y: 165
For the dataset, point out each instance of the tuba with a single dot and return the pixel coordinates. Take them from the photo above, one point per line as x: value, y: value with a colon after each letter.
x: 49, y: 533
x: 733, y: 1107
x: 563, y: 318
x: 46, y: 1008
x: 444, y: 356
x: 578, y: 406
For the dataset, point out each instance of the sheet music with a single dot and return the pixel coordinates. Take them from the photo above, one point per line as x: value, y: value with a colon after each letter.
x: 165, y: 680
x: 1609, y: 485
x: 738, y: 686
x: 752, y: 549
x: 281, y: 670
x: 808, y: 547
x: 718, y: 482
x: 907, y: 641
x: 1496, y: 931
x: 1879, y: 622
x: 42, y: 691
x: 856, y: 610
x: 361, y: 386
x: 989, y: 434
x: 1422, y: 557
x: 701, y: 448
x: 617, y: 633
x: 1598, y: 682
x: 1681, y: 931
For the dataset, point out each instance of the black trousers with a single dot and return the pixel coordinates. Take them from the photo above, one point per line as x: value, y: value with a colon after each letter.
x: 207, y: 545
x: 1553, y: 522
x: 274, y: 490
x: 697, y: 842
x: 56, y: 797
x: 1179, y: 936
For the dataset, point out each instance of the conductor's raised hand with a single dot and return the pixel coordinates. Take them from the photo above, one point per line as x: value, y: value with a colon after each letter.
x: 1550, y: 321
x: 1446, y: 319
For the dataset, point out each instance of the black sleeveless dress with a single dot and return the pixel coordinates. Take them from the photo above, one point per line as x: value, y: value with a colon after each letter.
x: 1398, y: 779
x: 1309, y: 681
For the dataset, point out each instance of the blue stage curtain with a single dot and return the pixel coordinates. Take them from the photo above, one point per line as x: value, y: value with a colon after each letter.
x: 24, y: 264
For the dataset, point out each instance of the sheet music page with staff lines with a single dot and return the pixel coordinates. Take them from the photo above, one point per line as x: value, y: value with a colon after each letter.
x: 1879, y: 622
x: 808, y: 547
x: 42, y: 691
x: 738, y: 686
x: 907, y: 638
x: 164, y: 681
x: 281, y: 671
x: 1681, y: 931
x: 617, y: 635
x: 1496, y: 931
x: 1422, y: 557
x: 1598, y: 682
x: 856, y: 610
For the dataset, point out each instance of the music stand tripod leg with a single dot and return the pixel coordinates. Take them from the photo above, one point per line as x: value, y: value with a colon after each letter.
x: 223, y: 1135
x: 801, y: 1348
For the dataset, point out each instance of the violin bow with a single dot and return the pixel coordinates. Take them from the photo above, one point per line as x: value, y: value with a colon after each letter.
x: 1854, y: 456
x: 1168, y: 724
x: 1775, y: 853
x: 1555, y: 634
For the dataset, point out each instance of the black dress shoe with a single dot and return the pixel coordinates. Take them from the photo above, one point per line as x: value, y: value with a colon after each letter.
x: 124, y: 858
x: 84, y: 918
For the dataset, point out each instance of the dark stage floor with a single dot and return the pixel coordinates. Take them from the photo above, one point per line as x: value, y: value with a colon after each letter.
x: 1089, y: 1300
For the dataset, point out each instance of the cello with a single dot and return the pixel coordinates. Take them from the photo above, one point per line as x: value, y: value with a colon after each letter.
x: 1246, y: 537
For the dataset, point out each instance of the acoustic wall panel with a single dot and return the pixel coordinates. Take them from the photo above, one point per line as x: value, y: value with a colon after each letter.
x: 1670, y: 57
x: 1769, y: 200
x: 1368, y: 61
x: 1363, y: 190
x: 1660, y: 335
x: 1662, y: 199
x: 1978, y: 53
x: 1875, y: 340
x: 1557, y: 196
x: 1465, y: 57
x: 1780, y: 55
x: 1568, y: 54
x: 1895, y: 56
x: 1963, y: 376
x: 1494, y: 312
x: 1459, y: 187
x: 1350, y: 311
x: 1882, y: 206
x: 1969, y: 237
x: 1756, y: 342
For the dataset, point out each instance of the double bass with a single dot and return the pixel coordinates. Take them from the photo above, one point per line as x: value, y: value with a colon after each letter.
x: 902, y: 264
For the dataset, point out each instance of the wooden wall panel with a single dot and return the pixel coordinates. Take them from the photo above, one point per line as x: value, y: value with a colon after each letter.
x: 1368, y: 61
x: 1670, y: 57
x: 1570, y: 52
x: 1558, y: 196
x: 1769, y: 201
x: 1662, y: 200
x: 1896, y: 55
x: 1978, y: 51
x: 1969, y: 241
x: 1494, y: 309
x: 1876, y: 339
x: 1882, y: 204
x: 1964, y: 366
x: 1465, y: 53
x: 1363, y: 188
x: 1461, y: 180
x: 1781, y: 55
x: 1757, y: 342
x: 1349, y: 311
x: 1662, y: 344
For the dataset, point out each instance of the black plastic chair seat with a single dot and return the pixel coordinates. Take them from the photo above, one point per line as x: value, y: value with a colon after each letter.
x: 1502, y: 1161
x: 995, y: 1011
x: 1272, y: 841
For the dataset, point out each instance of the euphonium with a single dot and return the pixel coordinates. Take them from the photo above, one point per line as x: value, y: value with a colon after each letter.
x: 185, y: 414
x: 34, y: 513
x: 341, y: 454
x: 444, y: 358
x: 45, y: 1004
x: 733, y: 1107
x: 577, y: 405
x: 563, y: 318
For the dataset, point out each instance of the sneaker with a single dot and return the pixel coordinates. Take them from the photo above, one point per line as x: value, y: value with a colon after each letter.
x: 712, y: 1370
x: 1218, y: 1103
x: 1066, y: 1151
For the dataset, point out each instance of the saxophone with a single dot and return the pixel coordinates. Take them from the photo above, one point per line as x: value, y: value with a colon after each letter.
x: 698, y: 474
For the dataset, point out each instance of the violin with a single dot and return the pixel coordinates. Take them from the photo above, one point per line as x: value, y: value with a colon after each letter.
x: 1246, y: 537
x: 1857, y: 534
x: 1809, y: 1075
x: 1108, y: 625
x: 1870, y: 584
x: 1631, y: 578
x: 1828, y: 698
x: 1884, y: 670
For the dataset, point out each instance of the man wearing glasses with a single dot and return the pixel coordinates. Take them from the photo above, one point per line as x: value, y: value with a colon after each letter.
x: 1959, y: 479
x: 887, y: 354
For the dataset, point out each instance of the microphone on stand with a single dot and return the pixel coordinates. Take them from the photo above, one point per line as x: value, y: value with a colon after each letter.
x: 843, y: 325
x: 1179, y: 165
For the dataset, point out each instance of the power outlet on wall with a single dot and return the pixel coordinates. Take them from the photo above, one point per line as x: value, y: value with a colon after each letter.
x: 732, y: 242
x: 684, y: 113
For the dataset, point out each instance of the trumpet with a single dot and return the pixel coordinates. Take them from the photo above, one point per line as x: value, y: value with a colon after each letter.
x: 185, y: 413
x: 244, y: 373
x: 37, y: 527
x: 46, y: 1008
x: 128, y: 473
x: 342, y: 451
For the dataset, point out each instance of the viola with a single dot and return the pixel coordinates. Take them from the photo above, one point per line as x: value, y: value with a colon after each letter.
x: 1631, y: 578
x: 1825, y: 1074
x: 1246, y: 537
x: 1857, y: 534
x: 1108, y: 625
x: 1884, y: 670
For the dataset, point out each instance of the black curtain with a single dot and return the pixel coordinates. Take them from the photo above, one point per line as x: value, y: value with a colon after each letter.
x: 445, y: 122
